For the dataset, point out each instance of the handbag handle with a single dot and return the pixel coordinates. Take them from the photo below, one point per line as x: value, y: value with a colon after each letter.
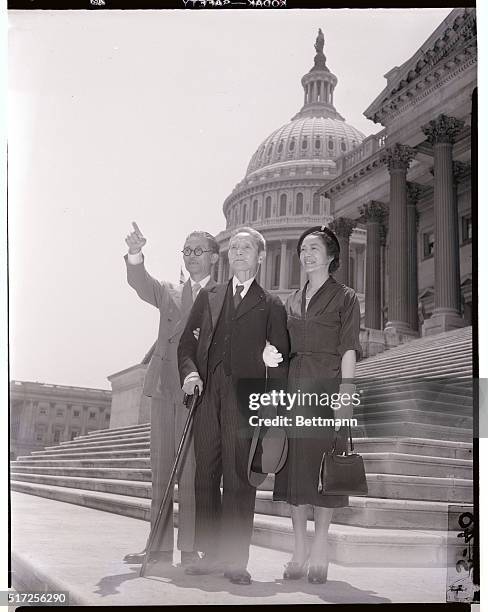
x: 331, y: 452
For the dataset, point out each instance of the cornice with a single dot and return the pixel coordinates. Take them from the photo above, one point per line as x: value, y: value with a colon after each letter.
x: 445, y: 58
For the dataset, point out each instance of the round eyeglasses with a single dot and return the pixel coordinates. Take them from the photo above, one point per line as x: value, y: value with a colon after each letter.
x: 198, y: 251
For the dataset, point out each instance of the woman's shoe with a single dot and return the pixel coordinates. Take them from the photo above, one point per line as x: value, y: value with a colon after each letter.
x: 317, y: 574
x: 294, y: 570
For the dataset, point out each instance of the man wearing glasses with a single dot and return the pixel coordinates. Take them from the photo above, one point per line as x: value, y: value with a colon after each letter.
x: 161, y: 383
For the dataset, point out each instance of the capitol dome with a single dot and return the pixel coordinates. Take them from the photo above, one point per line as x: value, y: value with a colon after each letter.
x: 305, y: 139
x: 279, y: 194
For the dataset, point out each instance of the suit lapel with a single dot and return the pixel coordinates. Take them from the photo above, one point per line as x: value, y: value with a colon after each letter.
x: 254, y: 295
x: 216, y: 297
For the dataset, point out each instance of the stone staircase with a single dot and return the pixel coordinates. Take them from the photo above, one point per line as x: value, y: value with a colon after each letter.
x: 414, y: 433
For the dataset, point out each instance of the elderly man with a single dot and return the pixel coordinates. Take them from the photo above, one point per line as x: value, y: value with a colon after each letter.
x: 168, y: 414
x: 234, y: 321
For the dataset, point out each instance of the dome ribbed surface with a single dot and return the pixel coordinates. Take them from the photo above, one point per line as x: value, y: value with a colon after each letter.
x: 306, y: 138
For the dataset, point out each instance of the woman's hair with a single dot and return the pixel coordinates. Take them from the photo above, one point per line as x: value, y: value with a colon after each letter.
x: 330, y: 241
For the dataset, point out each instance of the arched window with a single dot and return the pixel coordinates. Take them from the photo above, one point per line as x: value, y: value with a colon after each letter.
x: 299, y: 204
x: 283, y: 205
x: 317, y: 142
x: 254, y: 210
x: 267, y: 207
x: 343, y: 144
x: 316, y: 204
x: 270, y: 148
x: 305, y: 142
x: 331, y: 143
x: 291, y: 144
x: 244, y: 213
x: 280, y: 146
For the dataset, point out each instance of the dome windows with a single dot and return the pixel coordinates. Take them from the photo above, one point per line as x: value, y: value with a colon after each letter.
x: 267, y: 207
x: 299, y: 204
x: 280, y: 146
x: 343, y: 144
x: 270, y: 149
x: 305, y: 142
x: 331, y: 143
x: 291, y: 144
x: 317, y: 142
x: 254, y: 210
x: 283, y: 205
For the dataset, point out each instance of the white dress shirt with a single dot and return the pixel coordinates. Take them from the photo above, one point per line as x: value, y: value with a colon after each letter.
x: 245, y: 284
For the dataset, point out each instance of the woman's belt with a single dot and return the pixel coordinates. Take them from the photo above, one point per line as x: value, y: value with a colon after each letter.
x: 298, y: 353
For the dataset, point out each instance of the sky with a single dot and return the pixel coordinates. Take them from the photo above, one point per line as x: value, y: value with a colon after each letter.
x: 151, y: 116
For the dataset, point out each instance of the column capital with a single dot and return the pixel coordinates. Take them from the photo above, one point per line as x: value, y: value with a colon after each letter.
x: 443, y: 129
x: 414, y: 191
x: 342, y: 226
x: 460, y: 170
x: 373, y: 211
x: 398, y: 157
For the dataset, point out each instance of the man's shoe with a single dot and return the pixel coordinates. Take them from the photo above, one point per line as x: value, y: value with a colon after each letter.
x: 135, y: 557
x: 189, y: 558
x: 207, y: 564
x: 241, y: 576
x: 157, y: 556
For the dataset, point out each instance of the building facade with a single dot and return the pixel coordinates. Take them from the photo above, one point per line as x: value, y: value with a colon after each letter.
x: 399, y: 200
x: 43, y: 414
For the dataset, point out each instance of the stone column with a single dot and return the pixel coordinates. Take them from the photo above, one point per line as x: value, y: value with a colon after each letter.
x: 262, y: 273
x: 303, y: 276
x: 373, y: 214
x: 283, y: 266
x: 413, y: 193
x: 343, y: 227
x: 398, y: 159
x: 441, y: 133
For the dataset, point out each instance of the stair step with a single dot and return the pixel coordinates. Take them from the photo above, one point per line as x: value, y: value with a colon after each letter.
x: 56, y: 450
x: 123, y: 473
x: 377, y: 462
x: 349, y: 545
x: 415, y: 446
x: 102, y: 454
x: 427, y: 399
x: 398, y: 486
x: 120, y: 442
x: 417, y: 415
x: 414, y: 430
x: 377, y: 513
x: 122, y: 429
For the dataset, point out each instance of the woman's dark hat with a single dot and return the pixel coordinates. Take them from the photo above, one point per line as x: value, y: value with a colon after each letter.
x: 320, y: 229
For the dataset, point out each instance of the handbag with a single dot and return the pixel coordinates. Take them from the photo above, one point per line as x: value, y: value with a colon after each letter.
x: 342, y: 474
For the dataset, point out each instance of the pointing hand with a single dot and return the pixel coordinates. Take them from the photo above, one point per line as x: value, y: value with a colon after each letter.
x: 135, y: 240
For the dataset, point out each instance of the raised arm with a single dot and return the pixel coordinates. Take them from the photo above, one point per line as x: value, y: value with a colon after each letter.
x: 148, y: 288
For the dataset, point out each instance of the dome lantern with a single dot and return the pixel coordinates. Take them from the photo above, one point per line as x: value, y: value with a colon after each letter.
x: 318, y: 85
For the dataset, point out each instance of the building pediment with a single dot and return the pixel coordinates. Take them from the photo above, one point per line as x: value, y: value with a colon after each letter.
x: 451, y: 46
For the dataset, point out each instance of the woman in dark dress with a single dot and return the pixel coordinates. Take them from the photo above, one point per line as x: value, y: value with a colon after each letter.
x: 323, y: 322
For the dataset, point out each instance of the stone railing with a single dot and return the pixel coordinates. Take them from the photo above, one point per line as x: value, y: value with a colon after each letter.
x: 368, y: 147
x: 298, y: 220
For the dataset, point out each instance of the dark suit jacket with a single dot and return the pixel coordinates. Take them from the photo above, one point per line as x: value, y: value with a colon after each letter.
x: 174, y: 304
x: 260, y: 317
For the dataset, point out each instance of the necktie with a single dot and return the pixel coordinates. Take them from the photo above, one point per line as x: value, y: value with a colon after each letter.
x: 238, y: 296
x: 194, y: 290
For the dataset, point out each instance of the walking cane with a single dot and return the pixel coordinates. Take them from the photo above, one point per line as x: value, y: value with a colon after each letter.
x: 169, y: 488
